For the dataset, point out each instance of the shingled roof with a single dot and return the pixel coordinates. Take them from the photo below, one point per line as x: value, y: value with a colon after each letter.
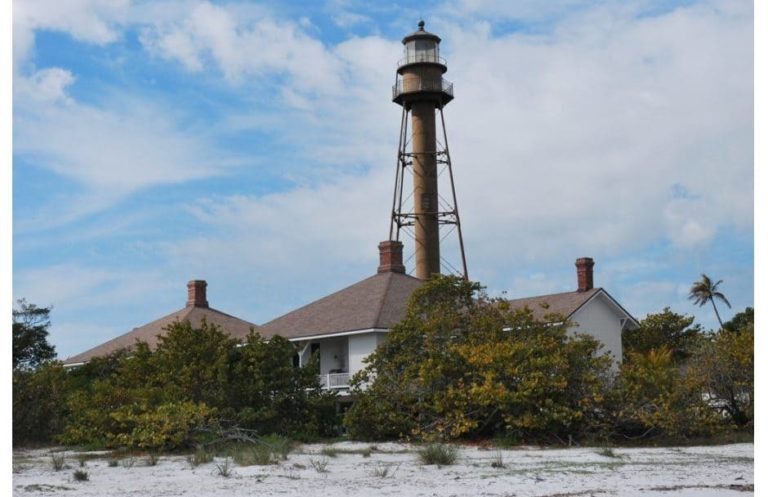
x: 195, y: 312
x: 564, y: 304
x: 378, y: 302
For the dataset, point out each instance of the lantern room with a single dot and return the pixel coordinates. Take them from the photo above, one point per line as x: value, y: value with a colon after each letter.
x: 422, y: 47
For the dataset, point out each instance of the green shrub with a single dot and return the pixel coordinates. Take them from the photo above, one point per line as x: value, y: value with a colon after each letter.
x: 329, y: 451
x: 167, y: 427
x: 200, y: 456
x: 259, y: 455
x: 438, y: 454
x: 279, y: 445
x: 461, y: 364
x: 80, y: 475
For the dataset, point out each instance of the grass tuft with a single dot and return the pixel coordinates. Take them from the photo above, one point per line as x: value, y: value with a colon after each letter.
x: 259, y: 455
x: 498, y: 460
x: 438, y: 454
x: 320, y: 465
x: 57, y: 462
x: 329, y: 451
x: 224, y: 468
x: 279, y: 445
x: 383, y: 470
x: 200, y: 456
x: 80, y: 475
x: 607, y: 452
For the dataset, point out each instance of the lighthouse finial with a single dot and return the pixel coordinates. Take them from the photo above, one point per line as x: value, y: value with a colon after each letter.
x: 421, y: 25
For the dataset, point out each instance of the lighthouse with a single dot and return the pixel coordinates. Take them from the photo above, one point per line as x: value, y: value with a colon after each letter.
x: 423, y: 156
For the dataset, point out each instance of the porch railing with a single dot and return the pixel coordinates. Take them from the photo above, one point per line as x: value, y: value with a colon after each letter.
x: 333, y: 381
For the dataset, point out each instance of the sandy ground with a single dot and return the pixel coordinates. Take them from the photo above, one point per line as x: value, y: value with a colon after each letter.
x: 393, y: 470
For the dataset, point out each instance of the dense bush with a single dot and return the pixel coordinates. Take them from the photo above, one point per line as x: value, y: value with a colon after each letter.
x: 165, y: 427
x: 666, y: 329
x: 654, y: 396
x: 198, y: 379
x: 461, y: 364
x: 724, y: 367
x: 39, y: 403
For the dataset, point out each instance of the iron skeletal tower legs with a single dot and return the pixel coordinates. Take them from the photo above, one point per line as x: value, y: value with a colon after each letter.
x: 422, y: 92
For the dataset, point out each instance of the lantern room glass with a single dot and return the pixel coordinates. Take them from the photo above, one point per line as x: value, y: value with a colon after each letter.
x: 421, y: 51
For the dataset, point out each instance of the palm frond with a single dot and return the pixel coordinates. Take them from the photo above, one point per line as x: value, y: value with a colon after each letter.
x: 722, y: 298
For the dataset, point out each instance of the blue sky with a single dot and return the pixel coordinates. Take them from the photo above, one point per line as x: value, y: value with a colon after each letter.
x: 253, y: 145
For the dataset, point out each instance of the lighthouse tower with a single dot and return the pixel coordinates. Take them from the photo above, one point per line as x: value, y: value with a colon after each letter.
x: 423, y: 156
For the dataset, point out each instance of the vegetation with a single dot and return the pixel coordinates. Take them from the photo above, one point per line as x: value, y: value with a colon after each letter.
x: 224, y: 468
x: 438, y: 454
x: 196, y: 386
x: 705, y: 290
x: 199, y: 456
x: 724, y: 369
x: 80, y: 475
x: 320, y: 464
x: 30, y: 336
x: 666, y: 329
x: 460, y: 365
x: 57, y: 462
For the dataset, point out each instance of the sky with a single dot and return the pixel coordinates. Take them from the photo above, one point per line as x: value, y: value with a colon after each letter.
x: 253, y: 145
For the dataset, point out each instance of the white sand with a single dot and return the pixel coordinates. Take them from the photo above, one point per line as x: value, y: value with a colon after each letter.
x: 686, y: 471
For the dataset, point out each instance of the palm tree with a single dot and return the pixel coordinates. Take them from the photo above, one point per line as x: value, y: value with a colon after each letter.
x: 705, y: 291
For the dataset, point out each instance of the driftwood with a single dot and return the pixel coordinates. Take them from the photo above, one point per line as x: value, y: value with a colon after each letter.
x: 231, y: 434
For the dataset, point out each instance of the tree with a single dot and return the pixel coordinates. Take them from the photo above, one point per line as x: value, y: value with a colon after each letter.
x: 198, y: 379
x: 724, y: 366
x: 40, y: 403
x: 704, y: 291
x: 195, y: 363
x: 30, y: 336
x: 461, y: 364
x: 666, y: 329
x: 741, y: 321
x: 653, y: 396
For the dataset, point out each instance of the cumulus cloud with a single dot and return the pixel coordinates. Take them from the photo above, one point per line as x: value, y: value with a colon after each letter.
x: 240, y: 48
x: 93, y: 21
x: 45, y: 86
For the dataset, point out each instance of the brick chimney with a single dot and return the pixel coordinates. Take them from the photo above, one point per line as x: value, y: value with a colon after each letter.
x: 391, y: 257
x: 584, y: 267
x: 196, y: 293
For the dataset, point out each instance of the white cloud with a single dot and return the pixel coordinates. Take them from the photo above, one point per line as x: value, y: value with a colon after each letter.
x: 45, y: 86
x: 112, y: 152
x: 78, y: 287
x: 244, y: 47
x: 572, y: 143
x: 93, y: 21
